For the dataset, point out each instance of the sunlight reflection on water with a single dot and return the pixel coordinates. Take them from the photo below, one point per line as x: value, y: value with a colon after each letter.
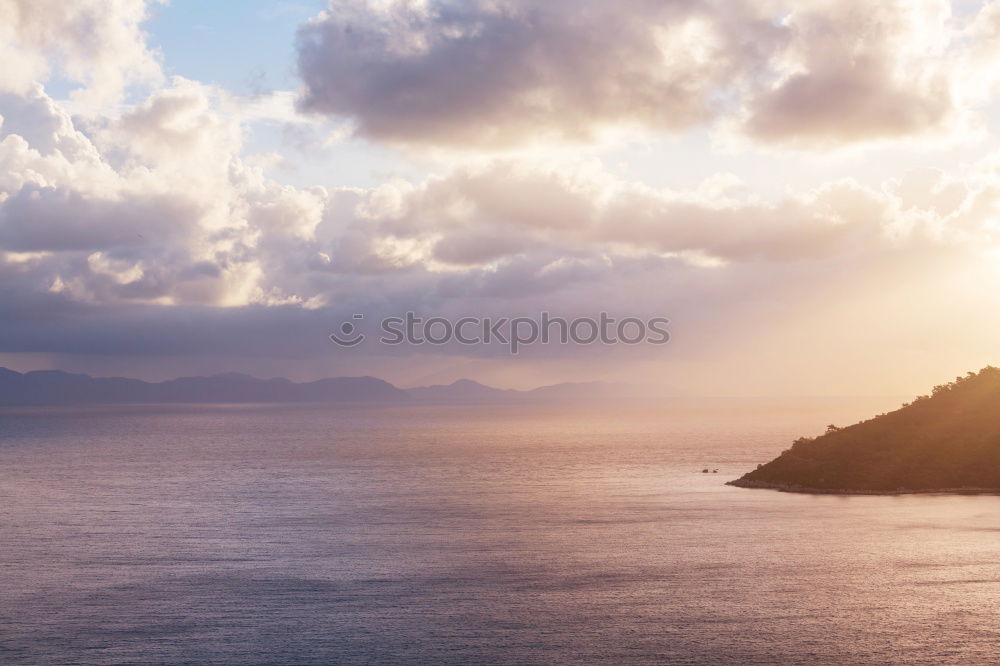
x: 228, y: 535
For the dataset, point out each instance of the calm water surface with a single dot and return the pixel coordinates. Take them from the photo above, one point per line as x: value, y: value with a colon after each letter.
x: 277, y: 535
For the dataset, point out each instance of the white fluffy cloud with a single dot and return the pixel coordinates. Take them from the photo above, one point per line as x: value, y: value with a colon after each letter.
x: 814, y: 75
x: 158, y: 206
x: 488, y: 72
x: 98, y: 43
x: 856, y: 70
x: 159, y: 193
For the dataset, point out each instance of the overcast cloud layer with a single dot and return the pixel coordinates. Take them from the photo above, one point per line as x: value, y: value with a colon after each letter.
x: 149, y: 230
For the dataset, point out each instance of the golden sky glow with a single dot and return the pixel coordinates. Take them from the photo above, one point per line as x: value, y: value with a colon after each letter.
x: 808, y: 190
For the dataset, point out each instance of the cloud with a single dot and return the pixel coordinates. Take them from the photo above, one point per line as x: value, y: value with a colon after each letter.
x: 855, y: 71
x: 98, y: 43
x: 152, y: 207
x: 490, y: 73
x: 476, y: 248
x: 49, y: 219
x: 487, y: 72
x: 159, y: 208
x: 485, y: 214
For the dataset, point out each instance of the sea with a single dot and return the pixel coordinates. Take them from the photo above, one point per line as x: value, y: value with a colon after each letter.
x: 513, y: 534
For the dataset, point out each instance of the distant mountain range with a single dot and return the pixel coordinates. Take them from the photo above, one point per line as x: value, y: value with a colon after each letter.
x: 54, y: 387
x: 468, y: 391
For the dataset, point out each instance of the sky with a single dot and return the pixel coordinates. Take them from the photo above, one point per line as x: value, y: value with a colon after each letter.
x: 808, y: 191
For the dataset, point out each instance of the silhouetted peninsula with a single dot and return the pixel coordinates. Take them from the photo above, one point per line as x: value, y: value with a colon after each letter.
x: 946, y: 442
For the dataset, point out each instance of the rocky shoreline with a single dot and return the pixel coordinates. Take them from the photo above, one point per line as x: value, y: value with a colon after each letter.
x: 791, y: 488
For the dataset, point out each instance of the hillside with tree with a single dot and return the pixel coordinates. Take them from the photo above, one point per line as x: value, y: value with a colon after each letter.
x: 946, y: 441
